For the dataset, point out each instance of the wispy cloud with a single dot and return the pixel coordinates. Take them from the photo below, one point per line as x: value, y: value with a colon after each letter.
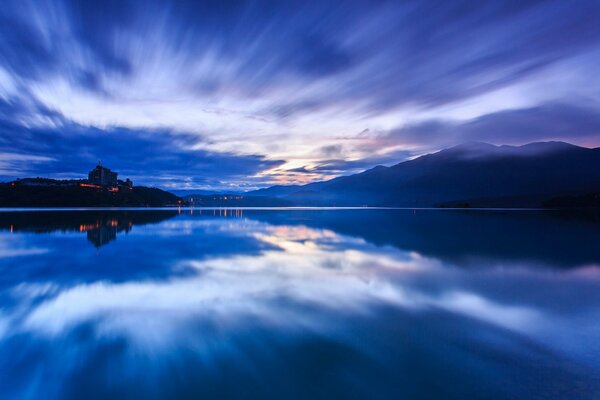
x: 286, y: 80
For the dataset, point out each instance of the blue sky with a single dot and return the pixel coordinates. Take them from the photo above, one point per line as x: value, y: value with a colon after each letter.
x: 238, y: 95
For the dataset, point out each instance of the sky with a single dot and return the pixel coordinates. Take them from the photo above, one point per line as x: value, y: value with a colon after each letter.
x: 237, y: 95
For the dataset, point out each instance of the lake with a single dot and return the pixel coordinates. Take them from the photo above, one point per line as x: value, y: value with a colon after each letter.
x: 299, y: 304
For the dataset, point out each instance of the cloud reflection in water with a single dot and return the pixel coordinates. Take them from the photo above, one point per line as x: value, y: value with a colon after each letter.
x: 270, y: 305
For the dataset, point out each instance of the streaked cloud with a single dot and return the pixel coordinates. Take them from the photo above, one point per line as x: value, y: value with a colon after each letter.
x: 284, y: 83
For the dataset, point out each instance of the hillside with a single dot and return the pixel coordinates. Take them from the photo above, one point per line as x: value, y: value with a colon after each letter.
x: 473, y: 174
x: 62, y: 195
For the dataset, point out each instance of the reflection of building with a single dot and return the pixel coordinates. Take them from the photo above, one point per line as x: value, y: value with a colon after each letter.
x: 100, y: 226
x: 104, y: 231
x: 102, y: 235
x: 102, y: 176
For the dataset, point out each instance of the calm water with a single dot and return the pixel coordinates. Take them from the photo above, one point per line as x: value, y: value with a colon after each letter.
x: 299, y: 304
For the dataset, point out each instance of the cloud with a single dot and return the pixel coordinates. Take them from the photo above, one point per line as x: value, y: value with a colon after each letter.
x: 345, y: 167
x: 543, y: 122
x: 549, y: 121
x: 152, y: 157
x: 300, y: 170
x: 289, y: 79
x: 384, y: 53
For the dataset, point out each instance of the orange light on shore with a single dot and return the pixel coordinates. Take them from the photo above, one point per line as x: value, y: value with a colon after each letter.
x: 90, y: 185
x: 87, y: 227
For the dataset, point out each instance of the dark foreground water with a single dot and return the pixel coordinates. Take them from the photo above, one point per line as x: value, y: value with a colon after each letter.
x: 299, y: 304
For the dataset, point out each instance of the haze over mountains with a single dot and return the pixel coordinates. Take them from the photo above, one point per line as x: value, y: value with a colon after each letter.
x: 472, y: 174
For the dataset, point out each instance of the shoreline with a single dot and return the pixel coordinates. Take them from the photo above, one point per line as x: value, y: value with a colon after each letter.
x: 291, y: 208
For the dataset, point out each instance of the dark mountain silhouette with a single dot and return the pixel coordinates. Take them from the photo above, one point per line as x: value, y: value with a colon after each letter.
x: 69, y: 194
x: 472, y: 174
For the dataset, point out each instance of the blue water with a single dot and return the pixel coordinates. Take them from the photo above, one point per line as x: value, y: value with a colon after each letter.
x: 299, y: 304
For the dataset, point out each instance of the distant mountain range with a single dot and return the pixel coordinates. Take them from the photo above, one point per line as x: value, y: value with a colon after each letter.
x: 469, y: 175
x: 547, y: 174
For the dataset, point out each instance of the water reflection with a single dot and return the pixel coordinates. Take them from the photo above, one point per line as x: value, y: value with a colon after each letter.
x: 459, y: 237
x: 101, y: 226
x: 299, y: 304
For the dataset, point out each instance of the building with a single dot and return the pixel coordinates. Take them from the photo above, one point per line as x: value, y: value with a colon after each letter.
x: 126, y: 184
x: 102, y: 177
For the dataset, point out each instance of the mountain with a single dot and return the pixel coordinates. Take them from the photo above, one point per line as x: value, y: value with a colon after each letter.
x: 472, y: 174
x: 276, y: 191
x: 199, y: 192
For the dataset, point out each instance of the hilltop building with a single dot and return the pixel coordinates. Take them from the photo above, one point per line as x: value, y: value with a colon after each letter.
x: 127, y: 183
x: 102, y: 176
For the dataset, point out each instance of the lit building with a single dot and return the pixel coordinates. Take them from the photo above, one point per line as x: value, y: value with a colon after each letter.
x: 126, y: 184
x: 102, y: 176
